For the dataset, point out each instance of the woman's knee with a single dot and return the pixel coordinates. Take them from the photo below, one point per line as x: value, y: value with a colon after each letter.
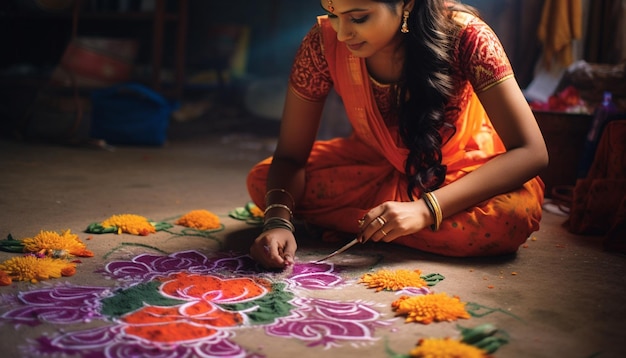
x: 256, y: 183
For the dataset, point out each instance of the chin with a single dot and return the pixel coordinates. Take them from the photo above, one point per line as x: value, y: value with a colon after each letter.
x: 361, y: 53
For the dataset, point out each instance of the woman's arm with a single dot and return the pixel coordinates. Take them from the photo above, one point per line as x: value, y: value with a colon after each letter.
x: 526, y: 155
x: 298, y: 130
x: 526, y: 152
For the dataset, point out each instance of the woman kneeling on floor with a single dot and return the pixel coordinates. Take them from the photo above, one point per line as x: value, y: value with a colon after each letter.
x: 444, y: 151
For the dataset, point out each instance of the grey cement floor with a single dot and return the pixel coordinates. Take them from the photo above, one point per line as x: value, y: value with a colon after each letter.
x: 566, y: 299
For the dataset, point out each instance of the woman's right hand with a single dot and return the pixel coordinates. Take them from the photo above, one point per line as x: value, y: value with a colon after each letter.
x: 275, y: 248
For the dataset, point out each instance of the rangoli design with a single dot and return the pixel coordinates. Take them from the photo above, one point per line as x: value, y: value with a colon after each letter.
x: 187, y: 304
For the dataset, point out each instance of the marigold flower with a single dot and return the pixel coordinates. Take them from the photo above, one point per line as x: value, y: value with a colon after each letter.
x: 393, y: 280
x: 33, y: 269
x: 199, y: 219
x: 56, y: 245
x: 445, y: 348
x: 130, y: 223
x: 428, y: 308
x: 255, y: 211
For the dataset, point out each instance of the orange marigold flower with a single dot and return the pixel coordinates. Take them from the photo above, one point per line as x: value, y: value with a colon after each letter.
x: 393, y: 280
x: 33, y: 269
x: 256, y: 212
x: 53, y: 244
x: 446, y: 348
x: 130, y: 223
x: 428, y: 308
x: 199, y: 219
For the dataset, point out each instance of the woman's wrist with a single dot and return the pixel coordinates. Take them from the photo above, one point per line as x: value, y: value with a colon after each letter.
x: 273, y: 207
x: 279, y: 195
x: 279, y: 205
x: 278, y: 222
x: 435, y: 210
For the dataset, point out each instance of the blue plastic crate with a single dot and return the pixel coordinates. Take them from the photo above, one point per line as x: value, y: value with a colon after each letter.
x: 131, y: 114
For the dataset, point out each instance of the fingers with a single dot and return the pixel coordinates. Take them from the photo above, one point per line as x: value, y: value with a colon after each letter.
x: 289, y: 254
x: 273, y: 252
x: 286, y: 253
x: 376, y: 228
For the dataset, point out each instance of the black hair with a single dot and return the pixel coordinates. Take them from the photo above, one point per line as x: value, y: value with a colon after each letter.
x: 425, y: 88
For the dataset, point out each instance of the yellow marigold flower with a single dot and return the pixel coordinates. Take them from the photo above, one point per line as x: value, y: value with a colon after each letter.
x: 53, y: 244
x: 393, y: 280
x: 428, y: 308
x: 129, y: 223
x: 200, y: 219
x: 255, y: 211
x: 33, y: 269
x: 446, y: 348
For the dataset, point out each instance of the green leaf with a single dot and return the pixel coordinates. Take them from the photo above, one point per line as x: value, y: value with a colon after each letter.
x: 96, y: 228
x: 485, y: 336
x: 240, y: 213
x: 161, y: 225
x: 473, y: 335
x: 245, y: 214
x: 433, y: 278
x: 12, y: 245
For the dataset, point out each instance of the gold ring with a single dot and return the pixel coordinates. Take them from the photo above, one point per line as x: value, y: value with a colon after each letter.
x: 381, y: 221
x: 383, y: 231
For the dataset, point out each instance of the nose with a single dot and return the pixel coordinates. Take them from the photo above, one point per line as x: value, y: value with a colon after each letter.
x: 344, y: 31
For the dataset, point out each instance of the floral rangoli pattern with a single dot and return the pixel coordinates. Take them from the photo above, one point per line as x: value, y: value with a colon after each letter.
x: 187, y: 304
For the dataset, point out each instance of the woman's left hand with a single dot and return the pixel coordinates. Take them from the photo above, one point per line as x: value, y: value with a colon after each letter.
x: 394, y: 219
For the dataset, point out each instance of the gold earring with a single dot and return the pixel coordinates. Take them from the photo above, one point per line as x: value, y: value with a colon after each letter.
x: 331, y: 8
x: 405, y: 18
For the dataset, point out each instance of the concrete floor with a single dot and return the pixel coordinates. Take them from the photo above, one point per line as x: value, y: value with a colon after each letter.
x: 566, y: 298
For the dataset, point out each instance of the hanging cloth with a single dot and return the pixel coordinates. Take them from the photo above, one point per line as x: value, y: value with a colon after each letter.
x: 561, y: 23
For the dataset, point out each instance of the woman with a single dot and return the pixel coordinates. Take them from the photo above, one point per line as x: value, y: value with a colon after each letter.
x: 444, y: 148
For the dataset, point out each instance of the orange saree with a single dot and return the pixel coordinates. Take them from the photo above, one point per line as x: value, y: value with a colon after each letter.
x: 345, y: 177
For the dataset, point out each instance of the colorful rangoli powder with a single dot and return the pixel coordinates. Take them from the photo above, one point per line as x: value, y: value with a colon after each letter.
x: 393, y: 280
x: 130, y: 224
x: 445, y: 348
x: 186, y: 304
x: 435, y: 307
x: 200, y: 219
x: 33, y: 269
x: 56, y: 245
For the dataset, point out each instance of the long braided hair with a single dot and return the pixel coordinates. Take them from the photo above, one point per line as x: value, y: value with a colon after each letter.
x: 425, y: 89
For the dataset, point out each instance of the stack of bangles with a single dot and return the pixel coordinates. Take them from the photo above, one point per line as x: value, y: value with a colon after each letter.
x: 277, y: 222
x: 435, y: 209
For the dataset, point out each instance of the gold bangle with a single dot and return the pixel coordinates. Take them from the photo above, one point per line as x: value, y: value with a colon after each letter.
x: 433, y: 205
x: 278, y: 223
x: 438, y: 213
x: 293, y: 202
x: 282, y: 206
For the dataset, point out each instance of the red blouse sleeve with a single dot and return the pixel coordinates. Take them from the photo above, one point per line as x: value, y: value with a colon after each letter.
x: 310, y: 76
x: 482, y: 58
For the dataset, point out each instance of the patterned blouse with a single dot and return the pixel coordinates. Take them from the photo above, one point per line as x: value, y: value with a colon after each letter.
x: 480, y: 62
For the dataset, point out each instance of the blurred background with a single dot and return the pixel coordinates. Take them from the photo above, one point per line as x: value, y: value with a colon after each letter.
x: 223, y: 63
